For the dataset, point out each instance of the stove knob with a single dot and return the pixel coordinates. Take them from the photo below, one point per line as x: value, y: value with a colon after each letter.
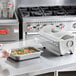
x: 69, y: 44
x: 28, y: 25
x: 34, y: 27
x: 60, y: 26
x: 38, y: 25
x: 44, y: 24
x: 74, y: 25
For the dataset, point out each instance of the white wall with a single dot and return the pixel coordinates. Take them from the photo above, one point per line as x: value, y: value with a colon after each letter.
x: 45, y: 2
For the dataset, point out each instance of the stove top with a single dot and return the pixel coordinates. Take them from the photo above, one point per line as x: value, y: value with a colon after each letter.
x: 47, y: 11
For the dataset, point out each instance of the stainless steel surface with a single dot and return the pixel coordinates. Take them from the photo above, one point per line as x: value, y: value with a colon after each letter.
x: 27, y: 56
x: 33, y: 19
x: 67, y: 22
x: 33, y: 24
x: 56, y: 73
x: 9, y: 25
x: 12, y: 25
x: 69, y: 44
x: 60, y: 42
x: 47, y: 62
x: 60, y: 23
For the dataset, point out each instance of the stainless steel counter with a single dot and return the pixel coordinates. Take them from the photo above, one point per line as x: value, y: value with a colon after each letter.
x: 47, y: 62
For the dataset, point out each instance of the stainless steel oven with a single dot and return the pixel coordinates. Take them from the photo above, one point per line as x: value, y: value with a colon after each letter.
x: 33, y: 19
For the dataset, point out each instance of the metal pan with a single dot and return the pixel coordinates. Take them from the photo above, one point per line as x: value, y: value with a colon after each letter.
x: 26, y: 56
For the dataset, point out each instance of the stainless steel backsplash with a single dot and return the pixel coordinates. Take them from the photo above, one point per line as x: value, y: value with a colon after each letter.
x: 26, y: 3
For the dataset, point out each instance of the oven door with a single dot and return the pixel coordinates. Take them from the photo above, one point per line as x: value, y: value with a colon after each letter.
x: 9, y: 32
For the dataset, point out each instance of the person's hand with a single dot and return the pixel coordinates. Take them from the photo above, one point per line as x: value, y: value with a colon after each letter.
x: 4, y: 54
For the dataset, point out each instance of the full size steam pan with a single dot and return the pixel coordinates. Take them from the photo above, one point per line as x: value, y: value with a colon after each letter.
x: 26, y: 56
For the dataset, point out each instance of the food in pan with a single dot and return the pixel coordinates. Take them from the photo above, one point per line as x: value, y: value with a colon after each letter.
x: 23, y: 51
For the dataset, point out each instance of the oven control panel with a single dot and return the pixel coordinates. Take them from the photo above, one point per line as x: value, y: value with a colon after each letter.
x: 34, y: 27
x: 74, y: 25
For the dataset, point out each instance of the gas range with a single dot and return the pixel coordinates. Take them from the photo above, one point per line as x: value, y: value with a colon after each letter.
x: 33, y: 19
x: 48, y: 11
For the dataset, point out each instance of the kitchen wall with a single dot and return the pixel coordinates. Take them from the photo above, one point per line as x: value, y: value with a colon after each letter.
x: 44, y: 2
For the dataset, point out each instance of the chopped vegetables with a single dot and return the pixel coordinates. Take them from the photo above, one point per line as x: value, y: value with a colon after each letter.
x: 23, y: 51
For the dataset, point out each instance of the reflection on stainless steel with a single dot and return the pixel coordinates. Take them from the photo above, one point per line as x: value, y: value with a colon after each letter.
x: 21, y: 64
x: 4, y: 71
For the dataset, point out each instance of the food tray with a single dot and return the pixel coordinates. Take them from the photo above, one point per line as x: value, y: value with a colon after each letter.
x: 26, y: 56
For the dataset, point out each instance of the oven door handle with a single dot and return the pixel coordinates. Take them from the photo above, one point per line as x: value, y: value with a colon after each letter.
x: 4, y: 31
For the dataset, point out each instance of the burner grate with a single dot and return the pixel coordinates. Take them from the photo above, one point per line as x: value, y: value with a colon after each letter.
x: 48, y: 11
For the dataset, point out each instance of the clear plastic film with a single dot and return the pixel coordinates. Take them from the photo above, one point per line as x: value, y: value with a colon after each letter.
x: 7, y: 8
x: 20, y: 44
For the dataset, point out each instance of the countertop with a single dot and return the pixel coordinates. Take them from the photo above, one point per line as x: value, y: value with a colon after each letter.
x: 47, y: 62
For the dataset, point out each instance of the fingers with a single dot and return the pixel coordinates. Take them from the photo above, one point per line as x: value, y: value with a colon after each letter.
x: 9, y: 51
x: 4, y: 54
